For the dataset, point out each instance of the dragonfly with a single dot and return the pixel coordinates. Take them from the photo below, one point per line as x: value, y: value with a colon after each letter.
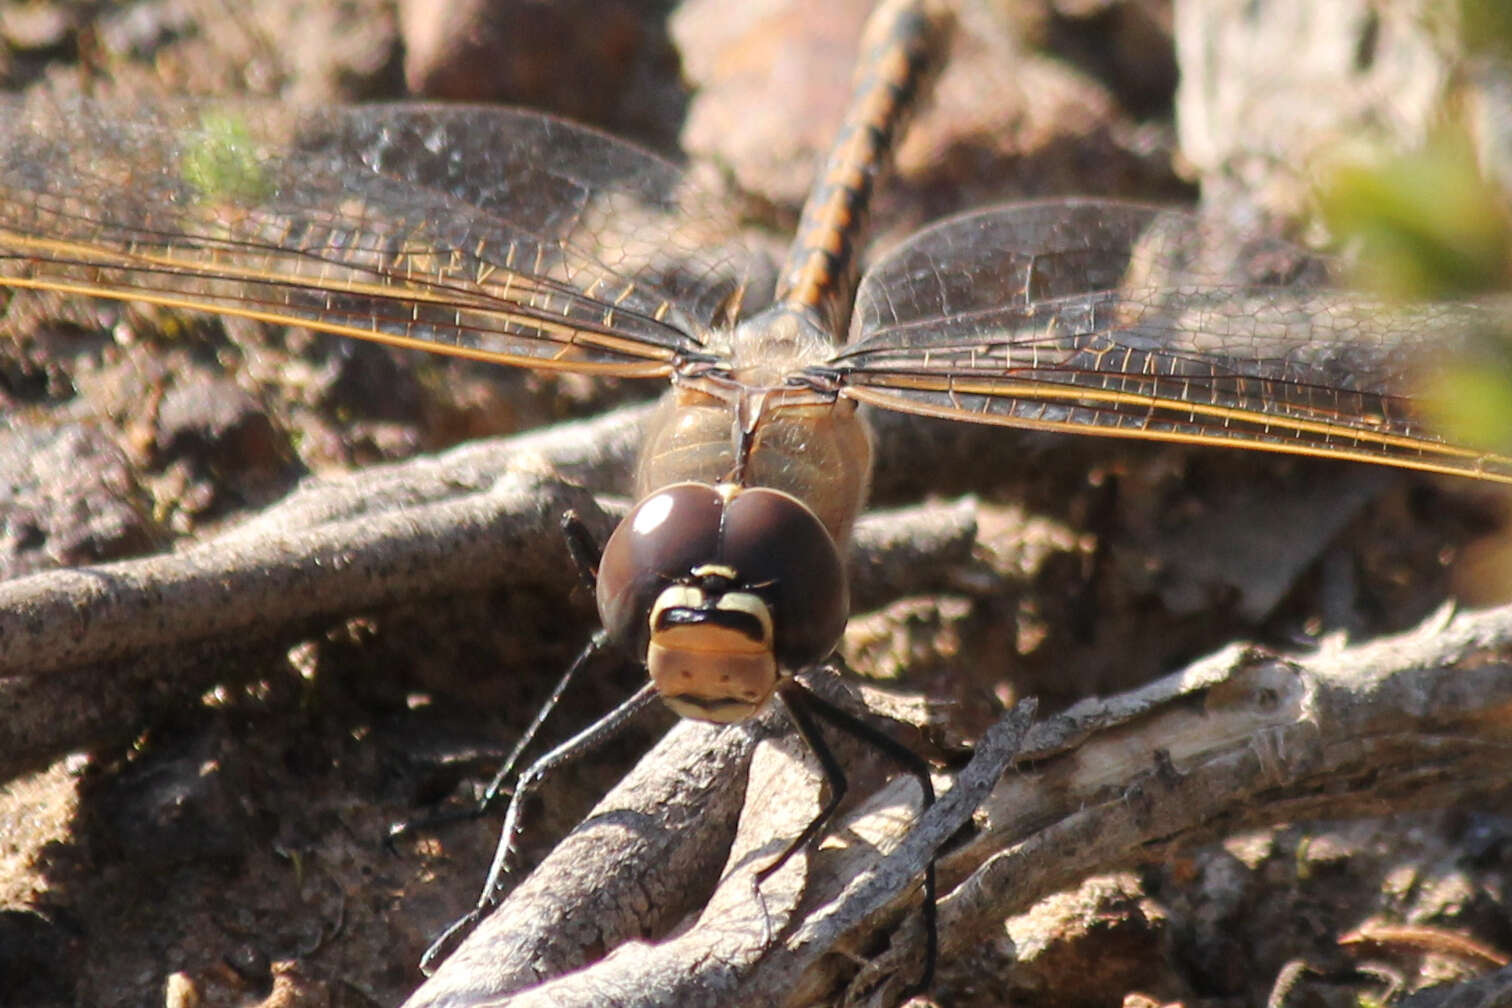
x: 512, y: 237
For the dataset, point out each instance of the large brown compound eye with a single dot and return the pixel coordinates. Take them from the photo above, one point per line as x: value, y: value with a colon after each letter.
x: 784, y: 554
x: 759, y: 541
x: 659, y: 543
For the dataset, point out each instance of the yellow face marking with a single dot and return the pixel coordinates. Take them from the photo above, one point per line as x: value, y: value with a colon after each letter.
x: 710, y: 672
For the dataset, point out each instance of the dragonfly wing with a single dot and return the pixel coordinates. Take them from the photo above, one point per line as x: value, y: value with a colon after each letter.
x: 490, y: 233
x: 1100, y: 317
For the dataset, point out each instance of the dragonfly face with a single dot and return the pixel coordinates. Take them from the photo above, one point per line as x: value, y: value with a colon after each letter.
x: 719, y: 590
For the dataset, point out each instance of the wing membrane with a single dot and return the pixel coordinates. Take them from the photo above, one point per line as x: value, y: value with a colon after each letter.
x: 489, y: 233
x: 1109, y: 318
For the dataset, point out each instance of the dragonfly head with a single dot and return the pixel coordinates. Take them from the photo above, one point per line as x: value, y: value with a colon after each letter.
x: 721, y: 590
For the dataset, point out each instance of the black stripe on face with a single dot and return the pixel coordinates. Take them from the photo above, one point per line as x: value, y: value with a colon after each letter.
x: 744, y: 623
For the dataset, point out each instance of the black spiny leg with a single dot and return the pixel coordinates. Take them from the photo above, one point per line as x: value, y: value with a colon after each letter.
x: 805, y: 706
x: 585, y: 549
x: 579, y: 745
x: 795, y: 699
x: 586, y: 553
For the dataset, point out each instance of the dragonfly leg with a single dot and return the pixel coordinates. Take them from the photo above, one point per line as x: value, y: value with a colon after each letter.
x: 797, y: 700
x: 806, y: 706
x: 586, y: 552
x: 581, y: 744
x: 585, y: 549
x: 597, y: 645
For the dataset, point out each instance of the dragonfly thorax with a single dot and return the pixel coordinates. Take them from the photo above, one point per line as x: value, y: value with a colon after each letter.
x: 812, y: 446
x: 721, y: 590
x: 768, y: 348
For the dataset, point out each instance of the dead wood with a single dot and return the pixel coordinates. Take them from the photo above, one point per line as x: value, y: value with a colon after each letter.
x: 1240, y: 739
x: 89, y: 653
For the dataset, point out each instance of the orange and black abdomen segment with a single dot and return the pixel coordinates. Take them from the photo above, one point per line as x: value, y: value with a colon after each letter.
x: 902, y: 46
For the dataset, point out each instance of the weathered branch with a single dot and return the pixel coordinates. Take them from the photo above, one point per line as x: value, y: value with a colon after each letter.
x: 451, y: 522
x: 1240, y: 739
x: 649, y: 852
x: 88, y: 653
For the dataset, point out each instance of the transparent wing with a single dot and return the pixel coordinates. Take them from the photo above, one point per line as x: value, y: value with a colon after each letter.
x: 1100, y: 317
x: 490, y: 233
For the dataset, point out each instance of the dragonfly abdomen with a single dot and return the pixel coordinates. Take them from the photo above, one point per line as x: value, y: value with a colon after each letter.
x: 904, y: 39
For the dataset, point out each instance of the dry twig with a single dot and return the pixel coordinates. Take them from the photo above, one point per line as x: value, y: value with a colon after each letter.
x: 88, y: 653
x: 1240, y: 739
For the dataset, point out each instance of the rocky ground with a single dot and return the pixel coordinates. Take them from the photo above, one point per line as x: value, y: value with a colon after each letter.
x: 229, y: 846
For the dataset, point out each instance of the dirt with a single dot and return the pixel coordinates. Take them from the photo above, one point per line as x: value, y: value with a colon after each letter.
x: 233, y: 851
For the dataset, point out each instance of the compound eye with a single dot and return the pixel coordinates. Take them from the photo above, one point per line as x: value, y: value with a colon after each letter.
x: 660, y: 541
x: 784, y: 554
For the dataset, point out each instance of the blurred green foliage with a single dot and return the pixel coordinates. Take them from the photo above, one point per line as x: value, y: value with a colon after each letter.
x: 1486, y: 27
x: 1430, y: 224
x: 223, y: 164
